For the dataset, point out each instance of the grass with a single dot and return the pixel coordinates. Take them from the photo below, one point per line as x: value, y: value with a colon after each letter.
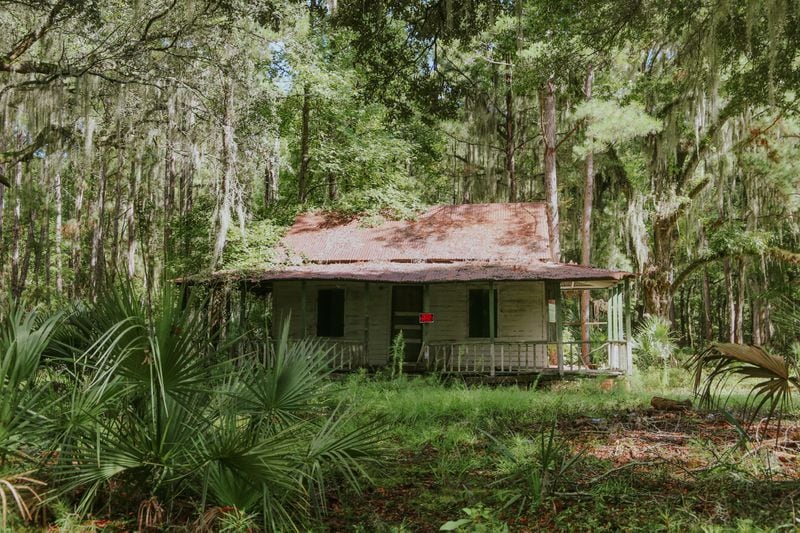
x: 472, y: 456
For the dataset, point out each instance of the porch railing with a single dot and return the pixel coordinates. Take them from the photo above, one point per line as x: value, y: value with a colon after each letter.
x: 345, y: 354
x: 482, y: 356
x: 342, y: 354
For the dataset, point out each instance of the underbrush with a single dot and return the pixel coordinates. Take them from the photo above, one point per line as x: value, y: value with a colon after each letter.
x: 478, y: 459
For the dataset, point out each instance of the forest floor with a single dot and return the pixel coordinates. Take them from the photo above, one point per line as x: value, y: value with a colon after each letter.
x: 475, y: 455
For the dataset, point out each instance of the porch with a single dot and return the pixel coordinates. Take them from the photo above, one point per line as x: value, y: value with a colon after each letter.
x: 559, y: 350
x: 499, y: 358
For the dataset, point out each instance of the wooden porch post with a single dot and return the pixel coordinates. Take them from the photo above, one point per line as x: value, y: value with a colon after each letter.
x: 628, y: 338
x: 366, y: 321
x: 426, y: 308
x: 559, y: 339
x: 303, y: 307
x: 492, y: 319
x: 611, y: 315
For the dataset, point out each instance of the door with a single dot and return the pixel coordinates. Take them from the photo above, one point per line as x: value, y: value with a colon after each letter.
x: 406, y: 307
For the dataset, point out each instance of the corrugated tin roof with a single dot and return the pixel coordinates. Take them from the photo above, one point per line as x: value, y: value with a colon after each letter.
x: 484, y: 232
x: 473, y: 242
x: 394, y: 272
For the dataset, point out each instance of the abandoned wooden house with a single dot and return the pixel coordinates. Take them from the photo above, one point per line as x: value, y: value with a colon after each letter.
x: 471, y: 288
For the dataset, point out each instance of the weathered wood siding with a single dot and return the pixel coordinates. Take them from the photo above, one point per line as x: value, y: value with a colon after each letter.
x: 521, y: 309
x: 287, y: 298
x: 521, y: 312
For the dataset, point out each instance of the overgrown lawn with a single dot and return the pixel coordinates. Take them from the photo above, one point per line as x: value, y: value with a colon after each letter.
x: 614, y: 462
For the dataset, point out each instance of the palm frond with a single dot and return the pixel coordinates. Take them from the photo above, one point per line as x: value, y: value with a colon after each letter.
x: 18, y: 488
x: 23, y: 339
x: 293, y: 380
x: 770, y: 375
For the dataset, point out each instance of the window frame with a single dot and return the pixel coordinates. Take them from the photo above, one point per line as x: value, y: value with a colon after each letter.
x: 488, y: 330
x: 331, y: 332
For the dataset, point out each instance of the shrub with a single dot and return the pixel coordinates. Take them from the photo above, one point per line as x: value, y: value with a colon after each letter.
x: 153, y: 413
x: 653, y: 344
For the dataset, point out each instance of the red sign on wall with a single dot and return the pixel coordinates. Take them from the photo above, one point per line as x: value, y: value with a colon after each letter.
x: 426, y: 318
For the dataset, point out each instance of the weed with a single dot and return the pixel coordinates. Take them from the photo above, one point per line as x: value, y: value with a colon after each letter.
x: 398, y: 354
x: 537, y: 469
x: 479, y: 519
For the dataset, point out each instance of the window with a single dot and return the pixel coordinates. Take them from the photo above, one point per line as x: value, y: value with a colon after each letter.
x: 330, y: 313
x: 479, y: 313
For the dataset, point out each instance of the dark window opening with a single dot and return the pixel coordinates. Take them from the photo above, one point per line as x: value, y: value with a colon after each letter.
x: 330, y: 313
x: 479, y: 314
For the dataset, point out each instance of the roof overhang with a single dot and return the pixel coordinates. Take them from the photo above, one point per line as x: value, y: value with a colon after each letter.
x: 571, y: 275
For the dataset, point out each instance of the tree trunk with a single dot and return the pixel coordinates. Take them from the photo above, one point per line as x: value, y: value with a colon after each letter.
x: 76, y: 234
x: 739, y: 330
x: 758, y: 304
x: 135, y: 178
x: 2, y: 228
x: 41, y: 244
x: 730, y: 300
x: 116, y: 237
x: 271, y: 174
x: 708, y: 325
x: 689, y: 320
x: 586, y: 230
x: 721, y: 335
x: 333, y: 188
x: 548, y: 104
x: 755, y: 312
x: 170, y: 174
x: 15, y: 231
x: 59, y: 273
x: 465, y: 190
x: 188, y: 169
x: 31, y: 244
x: 228, y: 174
x: 510, y: 146
x: 302, y: 174
x: 96, y: 261
x: 656, y: 285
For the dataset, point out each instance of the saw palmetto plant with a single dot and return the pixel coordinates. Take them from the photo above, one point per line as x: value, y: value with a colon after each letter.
x: 772, y: 379
x: 172, y: 416
x: 19, y: 490
x: 150, y: 409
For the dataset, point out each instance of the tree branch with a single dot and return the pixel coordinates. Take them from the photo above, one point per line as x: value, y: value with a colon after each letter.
x: 25, y: 153
x: 779, y: 254
x: 28, y: 40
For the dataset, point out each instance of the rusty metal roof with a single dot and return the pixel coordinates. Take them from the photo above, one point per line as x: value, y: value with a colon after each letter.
x: 471, y: 232
x: 472, y: 242
x: 425, y: 272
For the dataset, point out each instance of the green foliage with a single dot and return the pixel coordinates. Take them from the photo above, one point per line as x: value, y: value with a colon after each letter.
x: 733, y: 239
x: 480, y: 519
x: 653, y: 344
x: 24, y: 336
x: 153, y: 406
x: 536, y: 468
x: 398, y: 355
x: 256, y: 248
x: 191, y: 252
x: 378, y: 203
x: 609, y: 123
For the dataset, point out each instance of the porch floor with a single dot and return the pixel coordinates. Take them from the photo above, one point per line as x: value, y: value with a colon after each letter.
x: 521, y: 377
x: 532, y: 376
